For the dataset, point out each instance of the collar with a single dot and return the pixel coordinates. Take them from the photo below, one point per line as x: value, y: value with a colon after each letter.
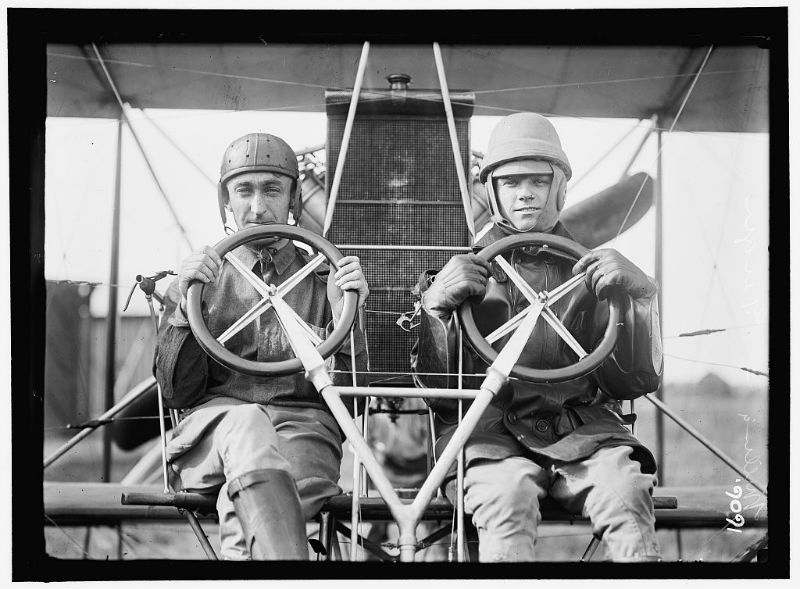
x: 281, y: 258
x: 496, y: 233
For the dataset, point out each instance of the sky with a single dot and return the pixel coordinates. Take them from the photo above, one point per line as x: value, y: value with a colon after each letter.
x: 715, y: 214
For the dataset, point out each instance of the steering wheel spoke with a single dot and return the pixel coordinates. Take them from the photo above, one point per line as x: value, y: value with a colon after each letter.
x: 298, y: 276
x: 296, y: 329
x: 265, y: 303
x: 248, y: 274
x: 508, y: 326
x: 256, y: 310
x: 285, y: 312
x: 509, y: 355
x: 520, y: 283
x: 561, y: 330
x: 563, y: 289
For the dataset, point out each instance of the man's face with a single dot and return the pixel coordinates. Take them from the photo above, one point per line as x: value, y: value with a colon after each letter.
x: 524, y: 201
x: 257, y: 198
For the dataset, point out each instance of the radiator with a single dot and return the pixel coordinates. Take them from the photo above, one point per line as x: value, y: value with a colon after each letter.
x: 399, y: 186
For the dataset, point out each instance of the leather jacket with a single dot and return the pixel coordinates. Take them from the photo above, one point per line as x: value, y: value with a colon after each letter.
x: 549, y: 423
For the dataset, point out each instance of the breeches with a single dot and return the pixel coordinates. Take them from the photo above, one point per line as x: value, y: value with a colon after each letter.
x: 609, y: 488
x: 226, y: 438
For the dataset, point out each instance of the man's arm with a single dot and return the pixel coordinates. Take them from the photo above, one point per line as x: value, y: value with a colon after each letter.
x: 441, y: 292
x: 435, y: 348
x: 348, y: 277
x: 634, y: 367
x: 180, y: 365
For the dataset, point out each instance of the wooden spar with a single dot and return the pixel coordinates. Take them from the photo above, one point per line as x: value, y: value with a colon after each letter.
x: 82, y: 504
x: 659, y: 271
x: 111, y: 314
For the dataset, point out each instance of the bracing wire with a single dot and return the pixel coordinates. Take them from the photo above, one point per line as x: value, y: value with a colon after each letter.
x: 603, y: 82
x: 124, y: 112
x: 721, y: 365
x: 727, y: 208
x: 386, y: 93
x: 713, y: 330
x: 671, y: 128
x: 68, y: 537
x: 178, y: 148
x: 379, y: 92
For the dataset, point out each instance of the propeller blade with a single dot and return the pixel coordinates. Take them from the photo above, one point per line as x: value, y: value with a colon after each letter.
x: 597, y: 219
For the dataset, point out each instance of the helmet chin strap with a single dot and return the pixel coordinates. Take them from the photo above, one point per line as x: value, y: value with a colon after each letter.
x: 557, y: 185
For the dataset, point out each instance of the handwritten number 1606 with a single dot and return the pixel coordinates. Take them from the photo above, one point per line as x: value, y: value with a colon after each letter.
x: 736, y: 508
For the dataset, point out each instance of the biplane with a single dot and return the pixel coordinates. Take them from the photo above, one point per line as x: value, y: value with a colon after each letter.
x: 392, y: 179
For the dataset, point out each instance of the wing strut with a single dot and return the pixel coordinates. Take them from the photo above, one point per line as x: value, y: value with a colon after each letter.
x: 451, y: 126
x: 348, y: 127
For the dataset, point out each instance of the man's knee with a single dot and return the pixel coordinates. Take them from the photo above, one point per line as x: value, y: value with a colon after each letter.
x: 623, y: 515
x: 630, y: 487
x: 517, y: 487
x: 246, y: 440
x: 615, y: 473
x: 503, y: 494
x: 249, y: 417
x: 242, y: 426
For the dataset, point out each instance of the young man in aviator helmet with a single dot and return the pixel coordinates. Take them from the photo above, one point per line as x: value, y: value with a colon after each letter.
x: 268, y: 446
x: 564, y: 440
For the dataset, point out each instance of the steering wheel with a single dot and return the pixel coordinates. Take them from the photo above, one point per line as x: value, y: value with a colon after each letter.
x: 214, y: 346
x: 587, y: 361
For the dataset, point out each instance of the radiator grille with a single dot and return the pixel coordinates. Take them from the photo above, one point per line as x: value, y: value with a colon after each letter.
x: 396, y: 159
x: 387, y: 223
x: 398, y: 187
x: 397, y: 269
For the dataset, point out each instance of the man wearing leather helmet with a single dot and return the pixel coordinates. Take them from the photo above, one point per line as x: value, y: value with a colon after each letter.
x: 565, y: 440
x: 268, y: 446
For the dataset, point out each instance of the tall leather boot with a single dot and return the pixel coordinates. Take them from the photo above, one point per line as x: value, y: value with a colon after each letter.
x: 268, y: 508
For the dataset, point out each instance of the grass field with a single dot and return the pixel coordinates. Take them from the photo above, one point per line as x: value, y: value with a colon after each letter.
x: 736, y: 421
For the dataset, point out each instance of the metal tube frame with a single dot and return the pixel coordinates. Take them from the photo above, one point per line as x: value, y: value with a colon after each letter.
x: 460, y: 546
x: 407, y: 516
x: 126, y: 401
x: 348, y: 127
x: 665, y: 410
x: 466, y: 199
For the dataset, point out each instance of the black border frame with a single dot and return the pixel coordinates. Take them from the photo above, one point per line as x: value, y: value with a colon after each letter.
x: 29, y: 30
